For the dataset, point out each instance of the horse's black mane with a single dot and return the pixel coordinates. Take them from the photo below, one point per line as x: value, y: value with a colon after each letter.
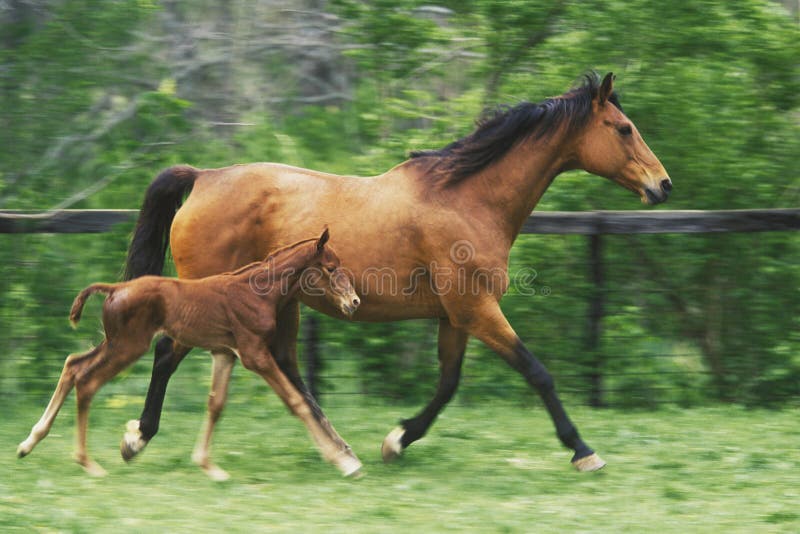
x: 502, y: 127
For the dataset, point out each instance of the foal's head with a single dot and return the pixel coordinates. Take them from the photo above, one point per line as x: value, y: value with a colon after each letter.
x: 610, y: 146
x: 324, y: 276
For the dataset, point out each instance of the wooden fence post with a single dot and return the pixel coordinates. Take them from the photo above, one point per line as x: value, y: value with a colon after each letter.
x: 595, y: 316
x: 311, y: 353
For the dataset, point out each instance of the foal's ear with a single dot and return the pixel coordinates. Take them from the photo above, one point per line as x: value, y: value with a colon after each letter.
x: 323, y: 239
x: 606, y: 88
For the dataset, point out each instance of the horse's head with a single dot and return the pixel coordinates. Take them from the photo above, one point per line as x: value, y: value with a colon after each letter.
x: 330, y: 279
x: 611, y: 146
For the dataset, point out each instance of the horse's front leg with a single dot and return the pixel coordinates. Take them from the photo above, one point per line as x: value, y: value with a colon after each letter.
x: 139, y: 432
x: 452, y: 344
x: 220, y: 379
x: 483, y: 319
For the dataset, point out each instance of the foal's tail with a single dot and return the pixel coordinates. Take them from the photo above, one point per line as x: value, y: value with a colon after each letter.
x: 80, y: 300
x: 151, y: 236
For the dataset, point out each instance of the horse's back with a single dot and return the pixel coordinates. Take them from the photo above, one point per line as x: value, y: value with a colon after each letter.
x: 236, y: 215
x: 379, y: 227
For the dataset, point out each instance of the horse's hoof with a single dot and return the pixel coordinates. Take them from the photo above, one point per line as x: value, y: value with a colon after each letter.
x: 392, y: 447
x: 589, y: 463
x: 132, y: 442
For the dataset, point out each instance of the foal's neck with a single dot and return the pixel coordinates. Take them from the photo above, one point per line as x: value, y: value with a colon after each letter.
x: 279, y: 275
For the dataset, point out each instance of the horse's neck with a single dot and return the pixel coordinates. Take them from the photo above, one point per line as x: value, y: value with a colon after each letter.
x: 511, y: 188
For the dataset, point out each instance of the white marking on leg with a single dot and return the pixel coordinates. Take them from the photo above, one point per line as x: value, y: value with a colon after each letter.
x: 589, y: 463
x: 132, y: 441
x: 392, y: 447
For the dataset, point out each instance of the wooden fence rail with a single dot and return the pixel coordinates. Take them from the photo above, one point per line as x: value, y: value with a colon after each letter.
x: 540, y: 222
x: 593, y: 224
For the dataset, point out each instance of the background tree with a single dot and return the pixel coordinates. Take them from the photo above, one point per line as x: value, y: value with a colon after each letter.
x: 97, y: 97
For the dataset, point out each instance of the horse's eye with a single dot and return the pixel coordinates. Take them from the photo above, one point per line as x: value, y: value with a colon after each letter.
x: 625, y: 130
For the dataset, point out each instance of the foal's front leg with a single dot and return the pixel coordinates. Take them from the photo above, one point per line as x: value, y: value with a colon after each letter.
x: 258, y: 359
x: 220, y: 378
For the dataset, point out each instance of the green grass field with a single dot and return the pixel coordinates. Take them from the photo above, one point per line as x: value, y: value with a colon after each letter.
x: 491, y: 468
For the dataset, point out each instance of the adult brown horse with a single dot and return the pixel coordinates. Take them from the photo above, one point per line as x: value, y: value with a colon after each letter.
x: 415, y: 220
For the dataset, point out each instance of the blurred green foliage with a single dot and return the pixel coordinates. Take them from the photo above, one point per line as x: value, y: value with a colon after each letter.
x: 97, y: 97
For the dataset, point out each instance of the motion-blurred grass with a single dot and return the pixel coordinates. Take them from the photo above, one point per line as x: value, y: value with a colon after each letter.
x: 488, y: 468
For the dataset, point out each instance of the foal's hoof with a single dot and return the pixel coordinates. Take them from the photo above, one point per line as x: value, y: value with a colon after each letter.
x: 350, y: 466
x: 23, y: 450
x: 215, y: 473
x: 132, y: 442
x: 94, y: 469
x: 589, y: 463
x: 392, y: 447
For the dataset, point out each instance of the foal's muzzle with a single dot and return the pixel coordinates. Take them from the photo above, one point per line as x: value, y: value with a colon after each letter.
x: 350, y: 306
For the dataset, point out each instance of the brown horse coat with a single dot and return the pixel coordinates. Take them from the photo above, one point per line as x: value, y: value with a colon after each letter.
x: 429, y: 238
x: 228, y: 314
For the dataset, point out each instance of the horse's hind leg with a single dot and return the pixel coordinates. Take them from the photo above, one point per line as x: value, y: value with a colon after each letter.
x: 220, y: 378
x: 65, y: 384
x: 139, y: 432
x: 452, y: 344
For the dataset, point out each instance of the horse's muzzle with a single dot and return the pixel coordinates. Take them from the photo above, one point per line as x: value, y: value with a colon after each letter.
x: 659, y: 196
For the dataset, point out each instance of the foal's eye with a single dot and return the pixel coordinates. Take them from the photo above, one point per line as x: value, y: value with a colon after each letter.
x: 625, y: 130
x: 329, y: 269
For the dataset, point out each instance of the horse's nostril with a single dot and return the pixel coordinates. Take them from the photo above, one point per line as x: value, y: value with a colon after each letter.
x: 356, y: 302
x: 666, y: 185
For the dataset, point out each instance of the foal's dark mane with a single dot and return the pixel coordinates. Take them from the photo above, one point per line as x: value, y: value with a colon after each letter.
x: 500, y: 128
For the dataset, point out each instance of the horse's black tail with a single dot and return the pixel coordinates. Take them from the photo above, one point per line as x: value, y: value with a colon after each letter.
x: 151, y: 237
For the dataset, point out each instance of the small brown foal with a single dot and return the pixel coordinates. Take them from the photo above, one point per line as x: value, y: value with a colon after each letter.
x: 232, y: 314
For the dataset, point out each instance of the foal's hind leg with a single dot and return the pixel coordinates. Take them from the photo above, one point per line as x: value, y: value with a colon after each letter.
x: 65, y: 384
x: 139, y: 432
x: 116, y: 356
x: 220, y: 378
x: 452, y: 344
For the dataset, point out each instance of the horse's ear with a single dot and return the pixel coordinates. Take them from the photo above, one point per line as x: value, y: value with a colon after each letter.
x: 606, y: 88
x: 323, y: 239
